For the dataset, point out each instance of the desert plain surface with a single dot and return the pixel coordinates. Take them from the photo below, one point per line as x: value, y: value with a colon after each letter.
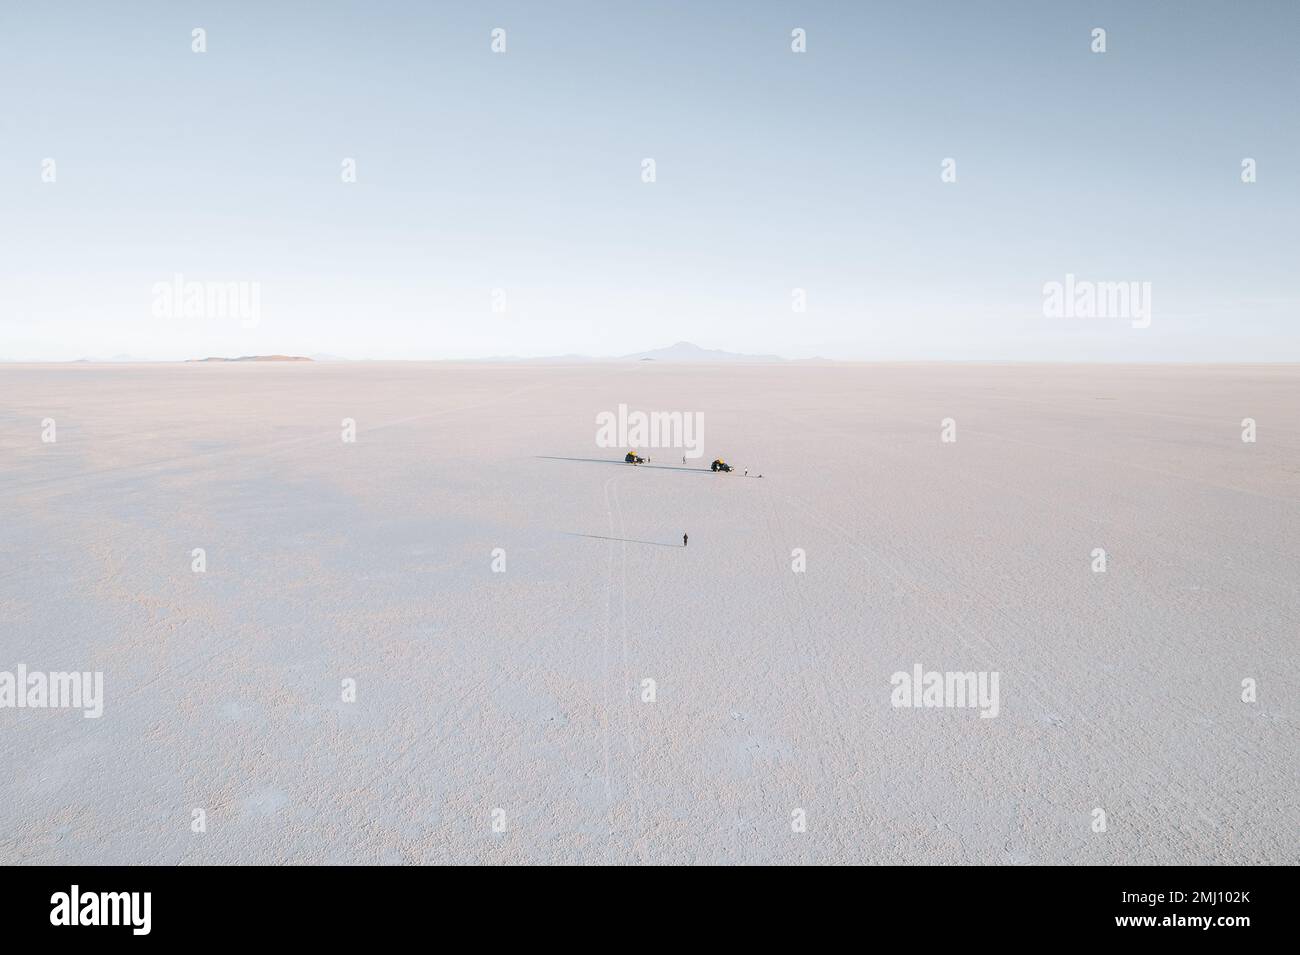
x: 499, y: 589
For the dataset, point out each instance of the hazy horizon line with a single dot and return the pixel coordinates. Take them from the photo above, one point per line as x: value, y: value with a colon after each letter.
x: 581, y: 359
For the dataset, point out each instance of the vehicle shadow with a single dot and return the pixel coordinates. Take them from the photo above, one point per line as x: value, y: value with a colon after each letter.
x: 661, y: 467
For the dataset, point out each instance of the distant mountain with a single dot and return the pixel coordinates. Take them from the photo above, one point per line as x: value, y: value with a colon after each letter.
x: 680, y: 352
x: 557, y: 359
x: 257, y: 358
x: 685, y: 351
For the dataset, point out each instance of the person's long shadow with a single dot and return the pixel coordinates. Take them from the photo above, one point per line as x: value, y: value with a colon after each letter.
x: 625, y: 540
x: 662, y: 467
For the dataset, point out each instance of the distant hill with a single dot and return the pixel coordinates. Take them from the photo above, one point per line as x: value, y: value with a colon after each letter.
x: 685, y: 351
x: 257, y: 358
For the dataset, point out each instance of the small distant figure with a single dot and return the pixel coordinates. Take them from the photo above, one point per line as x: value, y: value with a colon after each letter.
x: 684, y: 540
x: 683, y: 459
x: 746, y: 472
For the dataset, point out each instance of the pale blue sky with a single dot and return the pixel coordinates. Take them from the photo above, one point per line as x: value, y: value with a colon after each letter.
x: 775, y: 171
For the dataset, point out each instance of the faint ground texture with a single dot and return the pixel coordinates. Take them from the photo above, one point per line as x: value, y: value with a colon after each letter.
x: 521, y: 691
